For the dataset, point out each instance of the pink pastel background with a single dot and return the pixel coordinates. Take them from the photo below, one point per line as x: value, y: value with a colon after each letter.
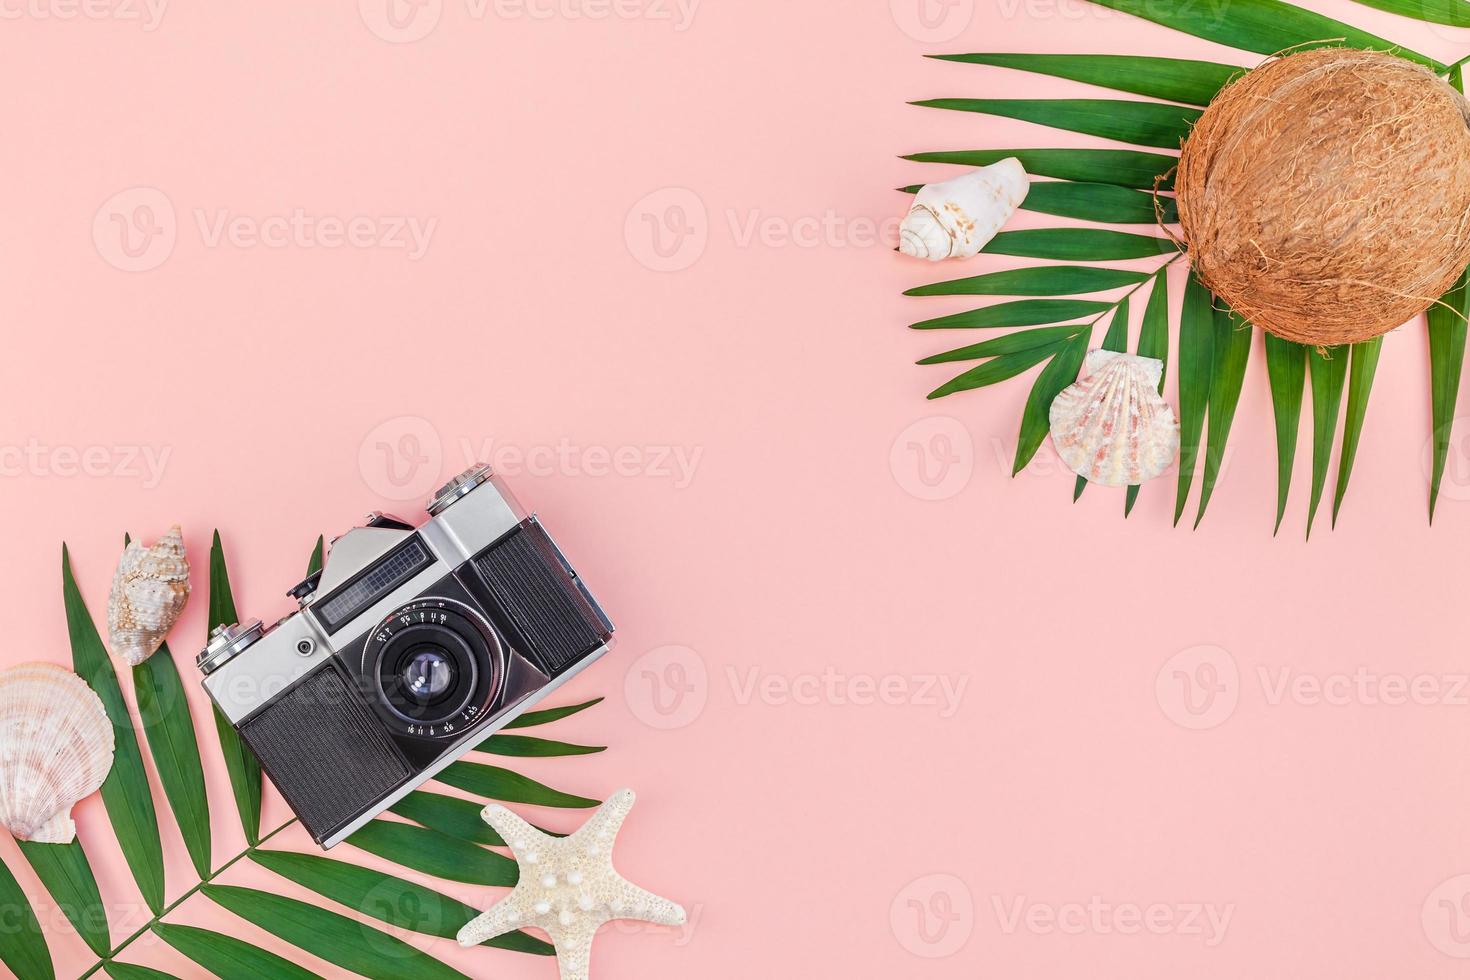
x: 652, y: 242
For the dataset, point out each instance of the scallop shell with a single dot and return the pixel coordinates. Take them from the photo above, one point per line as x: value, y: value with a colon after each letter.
x: 959, y: 217
x: 1113, y: 427
x: 148, y: 594
x: 55, y: 749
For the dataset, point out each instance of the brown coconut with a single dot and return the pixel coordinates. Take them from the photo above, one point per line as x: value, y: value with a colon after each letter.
x: 1326, y: 195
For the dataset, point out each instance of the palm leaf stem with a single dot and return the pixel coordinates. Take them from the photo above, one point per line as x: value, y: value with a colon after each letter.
x: 1450, y: 69
x: 1136, y: 287
x: 100, y: 964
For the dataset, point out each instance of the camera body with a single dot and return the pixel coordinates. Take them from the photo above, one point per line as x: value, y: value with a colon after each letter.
x: 410, y: 647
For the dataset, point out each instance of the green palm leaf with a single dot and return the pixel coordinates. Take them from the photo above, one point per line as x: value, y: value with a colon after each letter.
x: 992, y: 371
x: 387, y: 899
x: 1196, y: 369
x: 1035, y: 417
x: 65, y: 872
x: 1329, y: 373
x: 1123, y: 168
x: 1116, y: 339
x: 24, y: 949
x: 1105, y: 203
x: 227, y: 957
x: 1021, y: 313
x: 1078, y: 244
x: 1360, y: 384
x: 1286, y: 365
x: 128, y: 971
x: 1153, y: 341
x: 240, y: 762
x: 1016, y: 342
x: 1047, y: 280
x: 546, y: 715
x: 1447, y: 331
x: 1455, y: 13
x: 1232, y: 351
x: 125, y: 793
x: 495, y: 783
x: 526, y: 747
x: 1263, y: 26
x: 67, y: 875
x: 451, y: 815
x: 435, y: 854
x: 164, y: 713
x: 1139, y: 123
x: 335, y: 938
x: 1171, y: 79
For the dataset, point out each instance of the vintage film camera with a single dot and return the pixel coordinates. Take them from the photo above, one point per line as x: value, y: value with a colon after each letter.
x: 410, y: 647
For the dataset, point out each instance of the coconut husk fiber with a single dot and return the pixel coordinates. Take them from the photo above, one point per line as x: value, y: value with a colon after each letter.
x: 1326, y: 195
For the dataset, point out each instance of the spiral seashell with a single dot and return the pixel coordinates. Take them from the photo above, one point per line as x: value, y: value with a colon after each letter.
x: 55, y: 749
x: 148, y: 594
x: 959, y: 217
x: 1113, y: 427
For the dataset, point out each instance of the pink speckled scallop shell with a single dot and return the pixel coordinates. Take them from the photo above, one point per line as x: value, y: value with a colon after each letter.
x: 1113, y: 427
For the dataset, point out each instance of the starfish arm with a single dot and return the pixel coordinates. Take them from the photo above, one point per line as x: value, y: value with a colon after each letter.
x: 573, y: 954
x: 518, y: 835
x: 644, y: 906
x: 502, y: 917
x: 608, y: 820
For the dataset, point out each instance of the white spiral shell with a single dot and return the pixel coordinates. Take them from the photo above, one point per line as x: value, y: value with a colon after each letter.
x: 55, y: 749
x: 1113, y: 427
x: 959, y: 217
x: 148, y: 594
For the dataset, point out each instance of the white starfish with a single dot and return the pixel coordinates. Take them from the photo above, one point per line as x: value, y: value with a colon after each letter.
x: 568, y: 887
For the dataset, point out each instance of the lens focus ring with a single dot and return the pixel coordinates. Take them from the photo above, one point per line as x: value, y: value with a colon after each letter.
x: 434, y: 666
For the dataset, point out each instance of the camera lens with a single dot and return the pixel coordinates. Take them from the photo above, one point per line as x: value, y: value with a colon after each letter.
x: 435, y: 667
x: 427, y: 676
